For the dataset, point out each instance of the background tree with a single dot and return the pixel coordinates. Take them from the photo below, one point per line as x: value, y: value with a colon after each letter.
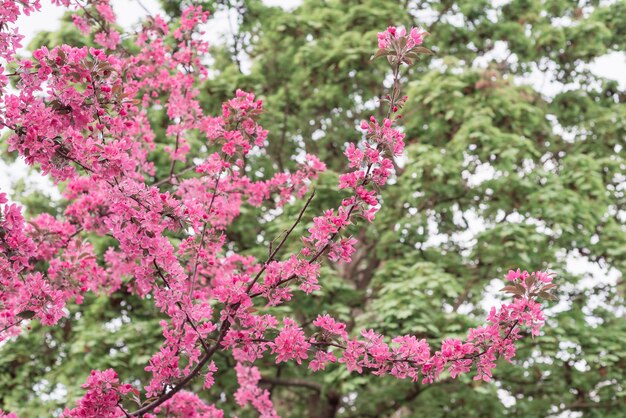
x: 497, y: 174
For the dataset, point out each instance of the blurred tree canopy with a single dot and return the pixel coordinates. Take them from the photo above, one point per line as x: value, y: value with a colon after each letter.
x: 497, y: 175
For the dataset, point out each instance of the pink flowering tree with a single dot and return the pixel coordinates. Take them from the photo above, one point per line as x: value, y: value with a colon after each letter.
x: 81, y: 117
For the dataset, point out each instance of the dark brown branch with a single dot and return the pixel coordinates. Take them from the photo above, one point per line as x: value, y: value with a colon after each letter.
x: 295, y: 382
x: 123, y: 410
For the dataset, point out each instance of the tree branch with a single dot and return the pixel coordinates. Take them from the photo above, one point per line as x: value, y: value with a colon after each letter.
x: 295, y: 382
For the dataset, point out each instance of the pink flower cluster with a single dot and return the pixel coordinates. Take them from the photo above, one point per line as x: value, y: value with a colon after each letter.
x: 394, y: 37
x: 43, y: 295
x: 10, y: 11
x: 104, y: 392
x: 98, y: 17
x: 400, y: 47
x: 250, y: 393
x: 407, y: 357
x: 186, y: 405
x: 515, y: 275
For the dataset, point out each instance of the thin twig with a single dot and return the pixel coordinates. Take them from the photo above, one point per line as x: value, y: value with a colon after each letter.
x: 392, y: 103
x: 144, y: 7
x: 123, y: 410
x: 195, y: 264
x: 160, y: 273
x: 282, y: 242
x: 11, y: 326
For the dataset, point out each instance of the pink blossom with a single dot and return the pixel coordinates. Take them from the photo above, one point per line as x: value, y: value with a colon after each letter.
x: 331, y: 326
x: 321, y: 359
x: 106, y: 11
x: 391, y: 36
x: 185, y: 404
x: 104, y: 391
x: 291, y: 343
x: 250, y: 393
x: 109, y: 40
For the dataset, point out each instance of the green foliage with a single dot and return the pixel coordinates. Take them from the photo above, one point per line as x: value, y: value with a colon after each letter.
x: 497, y: 175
